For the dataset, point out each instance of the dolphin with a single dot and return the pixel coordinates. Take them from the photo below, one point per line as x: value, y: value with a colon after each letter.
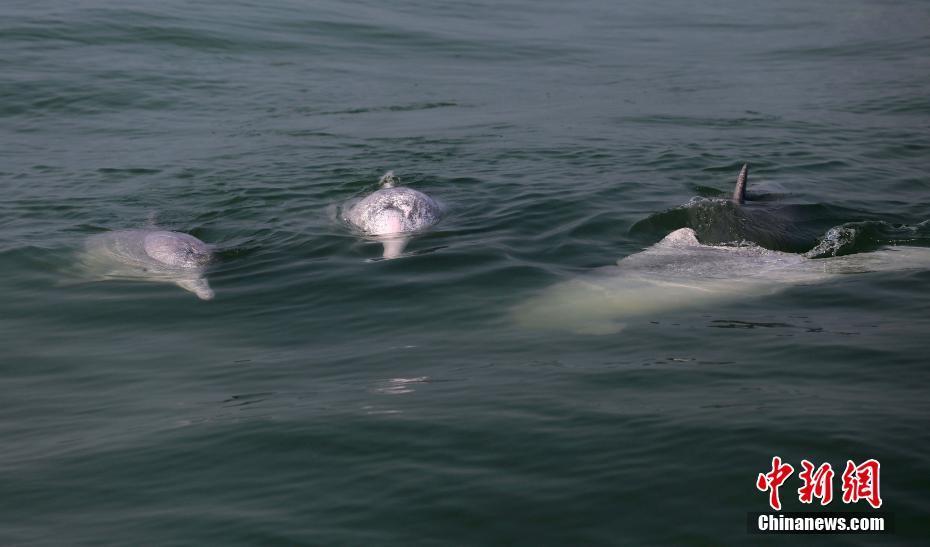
x: 679, y: 272
x: 392, y: 214
x: 149, y: 255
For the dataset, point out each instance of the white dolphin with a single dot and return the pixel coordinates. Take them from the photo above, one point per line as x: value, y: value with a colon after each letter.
x: 149, y: 255
x: 679, y: 272
x: 392, y: 214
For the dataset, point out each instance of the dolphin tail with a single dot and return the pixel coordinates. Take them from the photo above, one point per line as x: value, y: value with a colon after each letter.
x: 739, y: 193
x: 387, y: 180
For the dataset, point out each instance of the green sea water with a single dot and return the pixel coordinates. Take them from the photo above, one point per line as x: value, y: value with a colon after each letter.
x: 326, y: 398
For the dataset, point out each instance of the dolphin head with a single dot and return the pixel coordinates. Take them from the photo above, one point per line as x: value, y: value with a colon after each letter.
x: 176, y: 249
x: 388, y: 221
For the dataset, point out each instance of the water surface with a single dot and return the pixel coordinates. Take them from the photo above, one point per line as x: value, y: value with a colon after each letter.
x: 324, y: 398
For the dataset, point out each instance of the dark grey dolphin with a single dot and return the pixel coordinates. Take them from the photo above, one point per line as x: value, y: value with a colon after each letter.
x: 742, y: 216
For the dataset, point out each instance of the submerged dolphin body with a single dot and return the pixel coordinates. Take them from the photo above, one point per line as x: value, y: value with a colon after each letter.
x: 679, y: 272
x: 150, y: 255
x: 392, y: 213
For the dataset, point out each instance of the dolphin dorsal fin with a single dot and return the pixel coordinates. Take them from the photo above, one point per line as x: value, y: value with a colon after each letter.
x: 739, y: 193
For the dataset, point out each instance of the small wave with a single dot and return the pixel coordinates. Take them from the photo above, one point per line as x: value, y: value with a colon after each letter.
x: 392, y: 108
x: 857, y: 237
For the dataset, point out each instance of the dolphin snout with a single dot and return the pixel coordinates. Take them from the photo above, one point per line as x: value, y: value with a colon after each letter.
x: 393, y: 246
x: 198, y: 286
x: 205, y: 294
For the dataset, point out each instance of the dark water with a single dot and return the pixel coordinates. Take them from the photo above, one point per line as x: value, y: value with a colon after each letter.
x: 326, y: 399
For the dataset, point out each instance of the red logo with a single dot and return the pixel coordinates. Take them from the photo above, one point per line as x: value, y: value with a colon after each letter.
x: 817, y: 484
x: 860, y: 482
x: 772, y: 480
